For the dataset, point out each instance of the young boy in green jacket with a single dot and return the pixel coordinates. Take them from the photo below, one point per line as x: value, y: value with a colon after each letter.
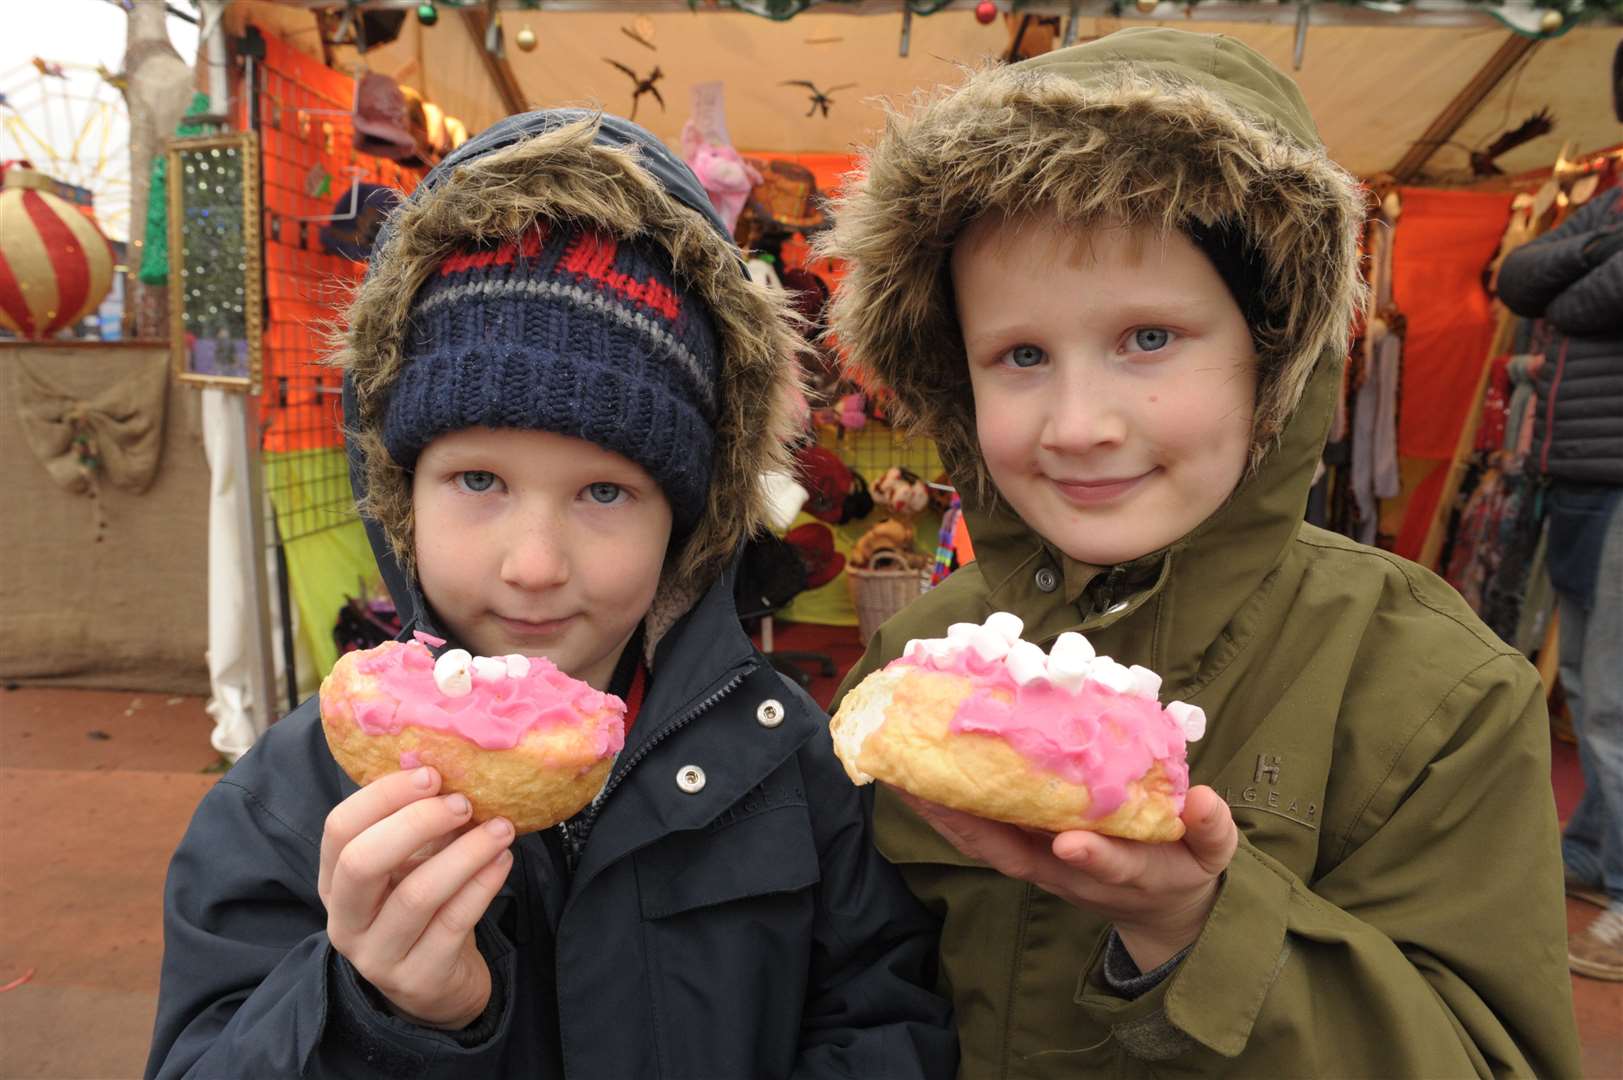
x: 1115, y: 285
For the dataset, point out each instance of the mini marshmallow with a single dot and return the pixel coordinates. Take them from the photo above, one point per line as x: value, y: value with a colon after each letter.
x: 1111, y: 675
x: 518, y: 665
x: 1191, y: 718
x: 1006, y: 623
x: 453, y: 673
x: 1146, y: 683
x: 916, y: 651
x: 989, y: 645
x: 489, y: 668
x: 940, y: 652
x: 961, y: 632
x: 1067, y: 673
x: 1073, y: 647
x: 1026, y: 663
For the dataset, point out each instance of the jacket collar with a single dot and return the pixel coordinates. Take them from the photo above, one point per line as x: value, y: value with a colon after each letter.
x: 702, y: 708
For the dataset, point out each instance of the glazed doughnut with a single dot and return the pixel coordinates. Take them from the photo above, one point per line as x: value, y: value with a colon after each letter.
x: 986, y: 723
x: 518, y: 737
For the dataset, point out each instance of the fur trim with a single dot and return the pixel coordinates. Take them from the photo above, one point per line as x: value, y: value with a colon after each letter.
x: 1141, y: 145
x: 564, y: 176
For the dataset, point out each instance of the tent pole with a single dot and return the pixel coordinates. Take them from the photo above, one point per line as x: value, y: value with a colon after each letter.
x: 1456, y: 112
x: 497, y: 67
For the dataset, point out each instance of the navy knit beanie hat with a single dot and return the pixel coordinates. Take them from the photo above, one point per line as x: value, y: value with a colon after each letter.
x: 572, y: 332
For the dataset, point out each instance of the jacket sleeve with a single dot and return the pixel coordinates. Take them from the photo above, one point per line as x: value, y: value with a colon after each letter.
x: 250, y: 984
x: 1592, y: 306
x: 870, y: 1006
x: 1533, y: 275
x: 1431, y: 948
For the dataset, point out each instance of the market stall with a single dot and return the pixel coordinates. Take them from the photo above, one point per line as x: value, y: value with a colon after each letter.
x: 1441, y: 105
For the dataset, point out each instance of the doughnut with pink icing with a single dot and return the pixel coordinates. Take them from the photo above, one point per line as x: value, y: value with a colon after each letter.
x: 984, y: 722
x: 518, y: 737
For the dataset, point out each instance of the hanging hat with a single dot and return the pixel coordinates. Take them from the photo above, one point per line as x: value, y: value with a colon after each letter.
x: 383, y: 123
x: 439, y: 143
x: 786, y: 199
x: 456, y: 132
x: 351, y: 236
x: 815, y: 546
x: 827, y: 482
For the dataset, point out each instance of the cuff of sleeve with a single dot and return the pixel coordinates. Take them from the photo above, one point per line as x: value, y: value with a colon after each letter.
x: 1219, y: 984
x: 359, y: 1014
x: 1120, y: 973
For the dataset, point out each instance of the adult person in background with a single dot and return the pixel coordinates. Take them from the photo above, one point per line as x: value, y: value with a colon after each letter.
x: 1572, y: 278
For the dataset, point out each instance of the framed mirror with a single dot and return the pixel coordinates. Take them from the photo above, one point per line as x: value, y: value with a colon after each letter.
x: 215, y: 277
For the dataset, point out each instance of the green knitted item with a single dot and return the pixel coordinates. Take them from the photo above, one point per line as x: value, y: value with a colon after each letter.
x: 155, y: 251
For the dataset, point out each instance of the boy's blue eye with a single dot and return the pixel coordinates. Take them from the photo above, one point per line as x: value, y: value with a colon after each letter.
x: 476, y: 480
x: 1025, y: 356
x: 604, y: 493
x: 1151, y: 338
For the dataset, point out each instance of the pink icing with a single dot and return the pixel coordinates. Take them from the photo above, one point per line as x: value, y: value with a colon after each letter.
x: 1096, y: 737
x: 496, y: 715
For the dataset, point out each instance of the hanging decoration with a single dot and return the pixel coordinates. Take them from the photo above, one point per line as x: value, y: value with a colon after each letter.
x: 1540, y: 18
x: 525, y: 39
x: 641, y: 85
x: 427, y: 13
x: 55, y: 265
x: 820, y: 99
x: 641, y: 31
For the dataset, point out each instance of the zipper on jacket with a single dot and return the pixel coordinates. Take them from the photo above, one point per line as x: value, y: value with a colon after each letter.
x: 1105, y: 597
x: 575, y: 840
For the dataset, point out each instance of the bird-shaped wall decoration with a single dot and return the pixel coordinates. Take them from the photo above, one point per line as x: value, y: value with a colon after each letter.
x: 820, y: 99
x: 641, y: 85
x: 1482, y: 161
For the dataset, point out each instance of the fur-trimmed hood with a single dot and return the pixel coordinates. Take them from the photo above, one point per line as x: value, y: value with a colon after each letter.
x: 590, y: 170
x: 1147, y: 126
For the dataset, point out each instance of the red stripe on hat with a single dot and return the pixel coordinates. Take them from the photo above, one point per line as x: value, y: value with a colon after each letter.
x: 67, y: 256
x: 12, y: 300
x: 592, y: 256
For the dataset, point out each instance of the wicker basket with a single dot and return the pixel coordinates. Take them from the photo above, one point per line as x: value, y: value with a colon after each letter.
x: 882, y: 588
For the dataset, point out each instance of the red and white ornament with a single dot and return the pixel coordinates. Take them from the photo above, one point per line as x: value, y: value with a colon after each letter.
x: 55, y: 265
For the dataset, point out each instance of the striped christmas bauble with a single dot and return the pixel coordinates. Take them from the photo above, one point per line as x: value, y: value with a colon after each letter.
x: 55, y: 265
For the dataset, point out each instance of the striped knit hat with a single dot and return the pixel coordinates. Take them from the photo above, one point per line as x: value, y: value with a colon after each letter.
x: 572, y: 332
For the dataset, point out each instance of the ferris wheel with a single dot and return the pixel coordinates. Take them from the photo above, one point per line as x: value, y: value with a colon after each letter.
x: 69, y: 120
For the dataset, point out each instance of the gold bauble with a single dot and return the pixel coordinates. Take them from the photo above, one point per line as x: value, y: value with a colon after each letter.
x: 525, y: 39
x: 1146, y: 6
x: 1550, y: 21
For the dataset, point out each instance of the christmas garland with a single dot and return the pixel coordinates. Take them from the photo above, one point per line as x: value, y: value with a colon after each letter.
x: 1533, y: 18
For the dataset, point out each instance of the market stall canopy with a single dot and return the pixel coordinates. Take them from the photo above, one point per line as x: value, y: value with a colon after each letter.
x: 1377, y: 83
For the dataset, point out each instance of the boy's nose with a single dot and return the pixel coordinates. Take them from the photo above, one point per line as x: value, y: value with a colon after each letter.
x: 1081, y: 419
x: 536, y: 557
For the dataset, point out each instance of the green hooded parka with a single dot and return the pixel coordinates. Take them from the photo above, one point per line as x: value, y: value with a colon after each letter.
x: 1395, y: 906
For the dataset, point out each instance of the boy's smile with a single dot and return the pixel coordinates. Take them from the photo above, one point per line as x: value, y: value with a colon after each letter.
x: 537, y: 543
x: 1113, y: 377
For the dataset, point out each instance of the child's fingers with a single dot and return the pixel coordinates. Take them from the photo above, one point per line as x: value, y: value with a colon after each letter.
x: 1105, y: 859
x: 365, y: 868
x: 437, y: 951
x: 366, y: 808
x: 438, y: 884
x: 1210, y: 833
x: 1008, y: 849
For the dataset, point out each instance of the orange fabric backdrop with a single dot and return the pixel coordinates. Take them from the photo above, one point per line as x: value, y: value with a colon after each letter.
x: 1443, y: 241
